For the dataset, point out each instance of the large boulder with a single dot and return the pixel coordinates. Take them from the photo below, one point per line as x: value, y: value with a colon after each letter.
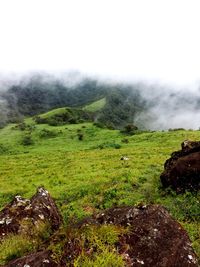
x: 40, y: 208
x: 182, y: 170
x: 154, y: 238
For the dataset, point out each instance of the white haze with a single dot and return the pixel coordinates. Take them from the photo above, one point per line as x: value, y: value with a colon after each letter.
x: 128, y: 39
x: 156, y: 42
x: 166, y: 106
x: 169, y: 108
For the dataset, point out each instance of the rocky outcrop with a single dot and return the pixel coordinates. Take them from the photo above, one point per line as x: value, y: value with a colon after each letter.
x: 182, y: 170
x: 38, y: 259
x: 154, y: 238
x: 40, y: 208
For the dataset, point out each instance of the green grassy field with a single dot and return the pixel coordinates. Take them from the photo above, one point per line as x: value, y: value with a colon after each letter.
x: 86, y: 174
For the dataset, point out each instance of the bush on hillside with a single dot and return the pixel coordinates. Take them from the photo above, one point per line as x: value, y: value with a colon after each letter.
x: 3, y: 149
x: 40, y: 120
x: 66, y: 116
x: 27, y: 140
x: 23, y: 126
x: 129, y: 129
x: 108, y: 145
x: 176, y: 129
x: 80, y: 136
x: 99, y: 124
x: 45, y: 133
x: 125, y: 141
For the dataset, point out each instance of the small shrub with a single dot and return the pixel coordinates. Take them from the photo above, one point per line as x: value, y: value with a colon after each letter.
x: 175, y: 129
x: 27, y: 140
x: 129, y: 129
x: 45, y: 133
x: 24, y: 127
x: 40, y: 120
x: 125, y: 141
x: 3, y: 149
x: 21, y: 126
x: 104, y: 259
x: 80, y: 136
x: 99, y: 125
x: 100, y: 242
x: 73, y: 121
x: 108, y: 145
x: 117, y: 146
x: 54, y: 122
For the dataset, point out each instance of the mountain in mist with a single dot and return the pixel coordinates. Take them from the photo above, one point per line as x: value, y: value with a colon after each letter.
x: 147, y: 106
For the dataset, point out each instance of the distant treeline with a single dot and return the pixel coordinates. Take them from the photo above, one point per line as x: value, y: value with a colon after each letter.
x: 142, y: 105
x: 36, y: 96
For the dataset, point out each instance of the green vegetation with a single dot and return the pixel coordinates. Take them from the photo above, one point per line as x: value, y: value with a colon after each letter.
x: 87, y: 175
x: 105, y: 258
x: 114, y: 105
x: 27, y: 140
x: 89, y: 245
x: 63, y: 116
x: 15, y: 246
x: 96, y: 106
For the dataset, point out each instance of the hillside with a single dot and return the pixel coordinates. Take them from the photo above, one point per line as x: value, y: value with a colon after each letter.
x: 95, y: 106
x: 80, y: 165
x: 115, y: 104
x: 61, y: 116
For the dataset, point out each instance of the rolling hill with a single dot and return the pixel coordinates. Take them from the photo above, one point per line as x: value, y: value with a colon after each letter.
x: 80, y: 165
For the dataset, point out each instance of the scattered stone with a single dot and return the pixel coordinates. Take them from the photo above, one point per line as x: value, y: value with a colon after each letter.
x: 182, y: 170
x: 124, y: 158
x: 154, y: 238
x: 41, y: 207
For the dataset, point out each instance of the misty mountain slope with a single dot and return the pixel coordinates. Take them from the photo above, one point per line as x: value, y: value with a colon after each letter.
x: 36, y: 96
x: 147, y: 106
x: 121, y: 108
x: 96, y: 106
x: 64, y: 116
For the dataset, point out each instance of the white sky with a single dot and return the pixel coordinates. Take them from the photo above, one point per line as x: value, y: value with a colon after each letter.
x: 145, y: 39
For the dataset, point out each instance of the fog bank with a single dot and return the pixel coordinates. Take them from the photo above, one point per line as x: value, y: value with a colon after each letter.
x: 164, y: 106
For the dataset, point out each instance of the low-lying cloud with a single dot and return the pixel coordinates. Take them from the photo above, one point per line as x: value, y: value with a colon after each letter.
x: 164, y: 107
x: 169, y: 108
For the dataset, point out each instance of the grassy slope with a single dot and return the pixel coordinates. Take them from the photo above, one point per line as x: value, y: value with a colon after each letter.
x: 96, y: 106
x: 53, y: 112
x: 84, y: 178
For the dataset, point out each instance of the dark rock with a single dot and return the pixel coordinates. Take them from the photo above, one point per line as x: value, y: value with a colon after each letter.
x: 38, y: 259
x: 182, y: 170
x: 154, y: 238
x: 41, y: 207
